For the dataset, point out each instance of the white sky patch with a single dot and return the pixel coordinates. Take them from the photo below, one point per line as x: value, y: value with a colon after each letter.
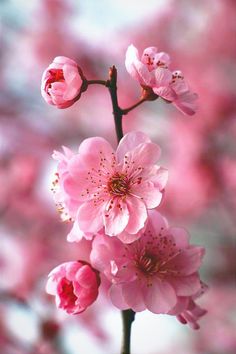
x: 96, y: 20
x: 22, y: 323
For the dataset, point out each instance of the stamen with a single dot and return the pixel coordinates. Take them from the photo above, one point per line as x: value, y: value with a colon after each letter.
x: 118, y: 185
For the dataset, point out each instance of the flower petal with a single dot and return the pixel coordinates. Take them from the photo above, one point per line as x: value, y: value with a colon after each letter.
x: 115, y: 217
x: 185, y: 286
x: 149, y: 194
x: 163, y: 77
x: 186, y: 262
x: 186, y: 103
x: 137, y: 215
x: 181, y: 237
x: 132, y: 293
x: 95, y: 145
x: 129, y: 142
x: 159, y: 297
x: 89, y: 217
x: 117, y: 298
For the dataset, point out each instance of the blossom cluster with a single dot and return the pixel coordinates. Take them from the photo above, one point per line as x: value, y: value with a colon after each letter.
x: 153, y: 73
x: 111, y: 198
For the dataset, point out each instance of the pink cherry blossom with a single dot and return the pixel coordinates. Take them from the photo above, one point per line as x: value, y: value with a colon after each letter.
x: 152, y: 72
x: 103, y: 188
x: 158, y: 272
x: 74, y: 285
x: 62, y: 82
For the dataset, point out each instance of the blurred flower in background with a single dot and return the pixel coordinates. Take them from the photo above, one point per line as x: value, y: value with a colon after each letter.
x: 199, y: 152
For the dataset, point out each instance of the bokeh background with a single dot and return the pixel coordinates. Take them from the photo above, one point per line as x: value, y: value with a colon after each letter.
x: 199, y: 151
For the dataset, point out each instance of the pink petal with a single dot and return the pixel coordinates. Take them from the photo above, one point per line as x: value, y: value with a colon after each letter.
x: 133, y: 295
x: 137, y: 215
x: 150, y: 52
x: 116, y: 218
x: 117, y: 298
x: 166, y: 93
x: 126, y: 237
x: 179, y: 86
x: 95, y: 146
x: 185, y: 286
x: 129, y: 142
x: 149, y: 194
x: 76, y: 235
x: 181, y: 305
x: 187, y: 262
x: 142, y: 74
x: 186, y: 103
x: 135, y: 67
x: 163, y: 77
x: 144, y: 154
x: 162, y: 57
x: 73, y: 81
x: 160, y: 297
x: 61, y: 60
x: 71, y: 186
x: 131, y: 56
x: 161, y: 177
x: 86, y: 276
x: 181, y: 237
x: 156, y: 222
x: 104, y: 249
x: 89, y: 217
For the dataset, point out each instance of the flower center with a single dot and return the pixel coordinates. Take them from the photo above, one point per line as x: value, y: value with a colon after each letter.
x: 55, y: 76
x: 147, y: 264
x: 67, y: 292
x: 118, y: 185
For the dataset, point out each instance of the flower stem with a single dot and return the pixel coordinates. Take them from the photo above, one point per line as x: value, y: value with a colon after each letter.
x: 127, y: 110
x: 117, y: 111
x: 128, y: 317
x: 99, y: 82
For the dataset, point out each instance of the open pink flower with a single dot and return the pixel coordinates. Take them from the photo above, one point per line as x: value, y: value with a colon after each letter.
x: 153, y: 74
x: 112, y: 189
x: 74, y: 285
x: 158, y: 272
x: 62, y: 82
x: 152, y: 66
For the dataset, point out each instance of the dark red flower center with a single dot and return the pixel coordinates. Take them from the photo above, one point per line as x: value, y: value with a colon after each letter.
x: 55, y: 76
x: 118, y: 185
x: 67, y: 291
x: 147, y: 264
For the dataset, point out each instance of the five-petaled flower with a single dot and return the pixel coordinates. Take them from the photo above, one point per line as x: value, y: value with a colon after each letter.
x: 101, y: 188
x: 74, y: 285
x: 62, y: 82
x: 158, y: 272
x: 156, y: 79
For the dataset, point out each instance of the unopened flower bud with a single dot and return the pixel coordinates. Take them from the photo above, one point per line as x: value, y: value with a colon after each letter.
x: 74, y: 285
x: 62, y: 82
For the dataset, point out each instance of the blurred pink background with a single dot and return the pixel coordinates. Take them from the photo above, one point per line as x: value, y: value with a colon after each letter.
x: 199, y: 152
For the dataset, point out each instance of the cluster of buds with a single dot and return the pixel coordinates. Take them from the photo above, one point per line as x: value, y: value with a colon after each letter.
x: 112, y: 196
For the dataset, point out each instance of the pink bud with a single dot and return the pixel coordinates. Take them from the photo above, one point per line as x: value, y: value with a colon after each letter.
x: 62, y: 82
x: 74, y: 285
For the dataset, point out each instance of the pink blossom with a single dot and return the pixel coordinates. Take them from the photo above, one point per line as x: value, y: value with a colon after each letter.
x: 158, y: 272
x: 62, y: 82
x: 104, y: 188
x: 152, y: 73
x: 74, y: 285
